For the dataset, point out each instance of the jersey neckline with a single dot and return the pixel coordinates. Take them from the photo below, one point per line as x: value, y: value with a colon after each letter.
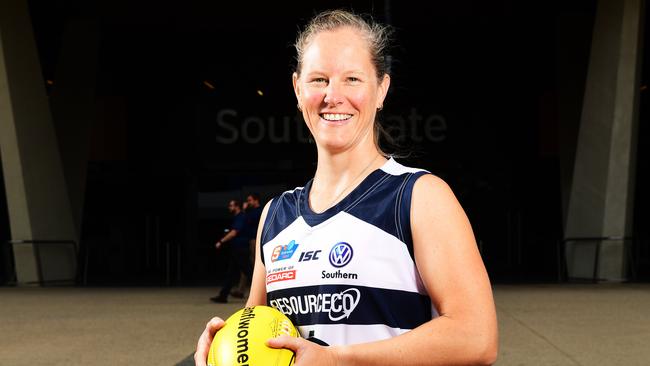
x: 351, y: 199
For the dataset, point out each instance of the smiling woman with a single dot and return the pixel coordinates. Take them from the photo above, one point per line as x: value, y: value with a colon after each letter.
x: 338, y: 90
x: 402, y: 256
x: 341, y: 59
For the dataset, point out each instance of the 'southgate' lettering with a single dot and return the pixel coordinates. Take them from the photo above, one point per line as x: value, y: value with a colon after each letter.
x: 242, y: 336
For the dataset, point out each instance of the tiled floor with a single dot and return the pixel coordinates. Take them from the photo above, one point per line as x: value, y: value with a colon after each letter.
x: 539, y: 325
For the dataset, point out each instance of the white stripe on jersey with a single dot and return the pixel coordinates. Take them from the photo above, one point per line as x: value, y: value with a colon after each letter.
x: 364, y: 238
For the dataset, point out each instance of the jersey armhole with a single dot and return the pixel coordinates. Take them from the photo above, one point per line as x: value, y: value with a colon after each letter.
x: 268, y: 222
x: 403, y: 208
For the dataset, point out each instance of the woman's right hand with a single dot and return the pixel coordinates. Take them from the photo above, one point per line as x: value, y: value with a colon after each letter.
x: 203, y: 345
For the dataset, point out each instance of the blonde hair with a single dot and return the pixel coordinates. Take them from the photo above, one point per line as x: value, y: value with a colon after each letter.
x: 377, y: 35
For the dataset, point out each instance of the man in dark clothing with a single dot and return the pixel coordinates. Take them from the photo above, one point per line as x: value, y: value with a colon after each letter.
x: 237, y: 242
x: 253, y: 211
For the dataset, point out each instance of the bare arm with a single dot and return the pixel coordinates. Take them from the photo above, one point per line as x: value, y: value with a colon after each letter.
x: 257, y: 296
x: 229, y: 236
x: 451, y: 268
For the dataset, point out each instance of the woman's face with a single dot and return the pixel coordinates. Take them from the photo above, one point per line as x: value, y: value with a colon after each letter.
x: 338, y: 90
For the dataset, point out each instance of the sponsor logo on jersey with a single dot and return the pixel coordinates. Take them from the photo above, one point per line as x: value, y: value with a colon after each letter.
x: 282, y: 252
x: 339, y: 274
x: 336, y: 305
x: 281, y: 276
x: 311, y: 255
x: 341, y: 254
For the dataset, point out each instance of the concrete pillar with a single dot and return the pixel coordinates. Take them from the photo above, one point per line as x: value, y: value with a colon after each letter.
x: 37, y: 198
x: 601, y: 199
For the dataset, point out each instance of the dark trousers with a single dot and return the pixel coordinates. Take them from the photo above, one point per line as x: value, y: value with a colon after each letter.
x: 238, y: 262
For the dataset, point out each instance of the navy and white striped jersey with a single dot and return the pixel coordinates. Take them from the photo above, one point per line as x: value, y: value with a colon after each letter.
x: 347, y: 275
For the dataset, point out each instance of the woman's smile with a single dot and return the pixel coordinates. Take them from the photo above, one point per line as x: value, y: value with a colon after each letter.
x: 335, y: 119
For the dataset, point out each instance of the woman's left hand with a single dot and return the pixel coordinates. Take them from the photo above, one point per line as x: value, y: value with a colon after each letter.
x: 307, y: 353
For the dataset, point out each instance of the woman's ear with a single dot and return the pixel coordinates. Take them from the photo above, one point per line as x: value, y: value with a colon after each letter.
x: 383, y: 90
x: 296, y: 86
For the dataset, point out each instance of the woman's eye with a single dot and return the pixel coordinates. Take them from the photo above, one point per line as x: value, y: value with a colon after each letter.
x: 318, y: 80
x: 353, y: 79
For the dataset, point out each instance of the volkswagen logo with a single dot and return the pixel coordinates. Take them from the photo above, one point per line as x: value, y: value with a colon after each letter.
x: 341, y: 254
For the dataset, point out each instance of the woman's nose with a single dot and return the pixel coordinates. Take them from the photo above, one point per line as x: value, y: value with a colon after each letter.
x: 333, y: 95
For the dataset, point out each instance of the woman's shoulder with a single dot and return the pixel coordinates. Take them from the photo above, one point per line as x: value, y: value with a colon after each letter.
x: 421, y: 179
x: 393, y: 167
x: 290, y: 195
x: 287, y: 202
x: 434, y: 197
x: 432, y: 184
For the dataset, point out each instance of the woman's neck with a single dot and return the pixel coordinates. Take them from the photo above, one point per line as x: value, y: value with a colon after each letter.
x: 338, y: 174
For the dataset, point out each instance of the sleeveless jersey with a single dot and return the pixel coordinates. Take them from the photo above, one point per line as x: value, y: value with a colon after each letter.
x: 347, y: 275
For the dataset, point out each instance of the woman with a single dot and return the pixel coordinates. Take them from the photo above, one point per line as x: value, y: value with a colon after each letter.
x: 373, y: 258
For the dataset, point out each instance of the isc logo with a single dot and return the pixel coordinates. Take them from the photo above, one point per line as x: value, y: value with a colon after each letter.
x: 308, y: 256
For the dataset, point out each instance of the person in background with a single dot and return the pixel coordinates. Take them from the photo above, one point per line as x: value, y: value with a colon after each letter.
x: 237, y: 243
x: 253, y: 211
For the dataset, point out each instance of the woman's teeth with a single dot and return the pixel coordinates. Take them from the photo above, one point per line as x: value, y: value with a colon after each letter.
x: 335, y: 116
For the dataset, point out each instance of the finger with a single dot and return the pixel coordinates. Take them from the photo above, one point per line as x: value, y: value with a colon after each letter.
x: 291, y: 343
x: 205, y: 340
x: 202, y: 348
x: 214, y: 325
x: 199, y: 360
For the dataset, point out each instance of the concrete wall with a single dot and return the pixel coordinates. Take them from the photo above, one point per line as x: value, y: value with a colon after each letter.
x: 37, y: 196
x: 601, y: 195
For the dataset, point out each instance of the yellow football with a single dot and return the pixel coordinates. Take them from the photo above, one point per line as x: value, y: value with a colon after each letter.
x: 242, y: 340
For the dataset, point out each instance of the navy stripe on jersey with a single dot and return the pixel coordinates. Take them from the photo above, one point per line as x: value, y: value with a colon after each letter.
x: 403, y: 210
x: 366, y: 188
x: 377, y: 194
x: 282, y: 212
x: 343, y: 304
